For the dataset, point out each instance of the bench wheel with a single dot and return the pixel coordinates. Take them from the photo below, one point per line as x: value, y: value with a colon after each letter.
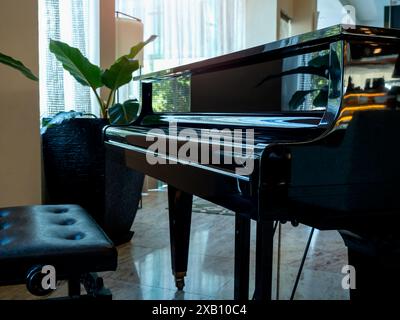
x: 34, y: 282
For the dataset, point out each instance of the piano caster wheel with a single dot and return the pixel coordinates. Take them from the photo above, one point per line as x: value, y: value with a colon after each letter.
x: 180, y: 283
x: 180, y: 280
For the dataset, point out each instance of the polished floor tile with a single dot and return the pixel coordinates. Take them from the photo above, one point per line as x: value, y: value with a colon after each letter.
x: 144, y: 270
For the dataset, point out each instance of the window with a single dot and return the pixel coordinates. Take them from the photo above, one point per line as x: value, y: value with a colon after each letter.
x: 76, y: 23
x: 188, y: 30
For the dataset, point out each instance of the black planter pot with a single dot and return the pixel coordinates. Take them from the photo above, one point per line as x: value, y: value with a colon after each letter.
x: 75, y: 166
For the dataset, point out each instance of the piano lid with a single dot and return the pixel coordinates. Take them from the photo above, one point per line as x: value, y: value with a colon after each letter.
x: 292, y: 44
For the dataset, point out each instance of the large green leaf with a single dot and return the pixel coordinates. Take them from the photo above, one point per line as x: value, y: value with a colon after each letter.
x: 137, y: 48
x: 122, y: 114
x: 120, y: 73
x: 18, y: 65
x: 299, y: 98
x: 77, y: 64
x: 59, y: 118
x: 335, y: 73
x: 318, y: 71
x: 321, y: 100
x: 320, y: 61
x: 332, y: 65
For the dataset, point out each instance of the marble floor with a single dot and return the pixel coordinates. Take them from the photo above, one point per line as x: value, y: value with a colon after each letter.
x: 144, y: 264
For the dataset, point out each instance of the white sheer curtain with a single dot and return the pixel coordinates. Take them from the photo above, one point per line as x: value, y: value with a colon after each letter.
x: 76, y: 23
x: 188, y: 30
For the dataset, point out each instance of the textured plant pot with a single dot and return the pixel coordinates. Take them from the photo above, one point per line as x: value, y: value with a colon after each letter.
x: 74, y: 168
x: 123, y: 193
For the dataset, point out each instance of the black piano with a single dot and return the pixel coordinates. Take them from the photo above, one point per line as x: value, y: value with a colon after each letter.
x: 303, y: 130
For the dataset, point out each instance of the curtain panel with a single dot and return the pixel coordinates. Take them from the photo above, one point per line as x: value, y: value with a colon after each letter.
x: 74, y: 22
x: 188, y: 30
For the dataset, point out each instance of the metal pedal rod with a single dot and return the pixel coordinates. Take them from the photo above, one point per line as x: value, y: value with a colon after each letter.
x: 278, y: 268
x: 302, y: 264
x: 275, y: 227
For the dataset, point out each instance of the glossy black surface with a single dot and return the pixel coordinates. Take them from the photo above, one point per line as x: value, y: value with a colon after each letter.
x: 315, y: 159
x: 281, y: 47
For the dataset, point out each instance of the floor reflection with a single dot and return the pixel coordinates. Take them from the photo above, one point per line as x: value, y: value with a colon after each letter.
x: 144, y: 270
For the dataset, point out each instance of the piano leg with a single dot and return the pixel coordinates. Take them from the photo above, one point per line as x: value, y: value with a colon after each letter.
x: 242, y: 257
x: 180, y: 217
x: 264, y: 260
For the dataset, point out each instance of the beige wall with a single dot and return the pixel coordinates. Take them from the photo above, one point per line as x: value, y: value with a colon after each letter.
x: 263, y: 19
x: 20, y: 149
x: 305, y: 15
x: 261, y: 26
x: 20, y: 169
x: 107, y: 35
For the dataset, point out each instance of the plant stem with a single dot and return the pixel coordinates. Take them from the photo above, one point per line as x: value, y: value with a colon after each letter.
x: 101, y: 104
x: 110, y: 100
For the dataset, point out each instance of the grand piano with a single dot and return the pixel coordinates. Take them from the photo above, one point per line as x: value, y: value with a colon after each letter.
x: 303, y: 130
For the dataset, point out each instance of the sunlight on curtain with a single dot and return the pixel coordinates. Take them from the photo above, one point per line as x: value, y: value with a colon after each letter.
x: 188, y: 30
x: 76, y: 23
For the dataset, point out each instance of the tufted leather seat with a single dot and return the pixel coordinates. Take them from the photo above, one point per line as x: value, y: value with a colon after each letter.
x: 63, y: 236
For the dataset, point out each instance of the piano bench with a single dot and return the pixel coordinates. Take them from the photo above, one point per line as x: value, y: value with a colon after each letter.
x: 40, y: 245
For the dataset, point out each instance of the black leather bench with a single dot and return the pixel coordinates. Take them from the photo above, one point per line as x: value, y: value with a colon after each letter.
x: 62, y: 236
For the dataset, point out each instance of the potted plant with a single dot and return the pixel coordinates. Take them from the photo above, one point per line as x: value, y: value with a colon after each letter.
x: 75, y: 162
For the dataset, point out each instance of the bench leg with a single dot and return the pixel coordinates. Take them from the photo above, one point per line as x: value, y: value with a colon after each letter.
x: 94, y: 286
x: 180, y: 217
x: 74, y: 286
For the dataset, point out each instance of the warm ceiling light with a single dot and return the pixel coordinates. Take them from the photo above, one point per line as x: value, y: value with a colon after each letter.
x: 377, y: 50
